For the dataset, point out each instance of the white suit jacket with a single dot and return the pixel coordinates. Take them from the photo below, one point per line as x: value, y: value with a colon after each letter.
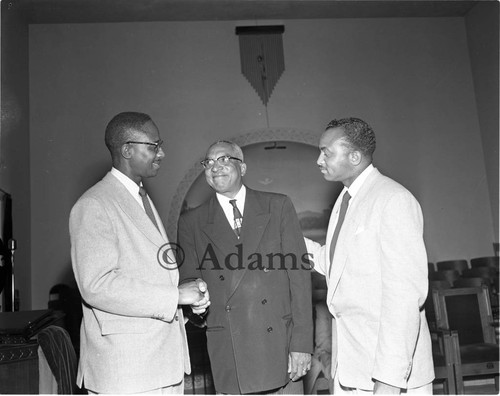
x: 377, y: 288
x: 132, y: 334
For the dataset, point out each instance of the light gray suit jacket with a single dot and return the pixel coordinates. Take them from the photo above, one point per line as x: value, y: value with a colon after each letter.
x: 377, y: 288
x: 132, y: 335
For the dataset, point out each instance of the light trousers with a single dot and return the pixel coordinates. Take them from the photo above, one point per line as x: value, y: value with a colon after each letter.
x: 177, y: 389
x: 339, y: 389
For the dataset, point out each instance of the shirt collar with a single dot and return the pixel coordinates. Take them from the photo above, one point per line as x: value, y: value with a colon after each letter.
x: 358, y: 182
x: 240, y: 199
x: 129, y: 184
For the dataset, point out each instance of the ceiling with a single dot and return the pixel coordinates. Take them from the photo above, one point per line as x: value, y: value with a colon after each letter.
x: 85, y: 11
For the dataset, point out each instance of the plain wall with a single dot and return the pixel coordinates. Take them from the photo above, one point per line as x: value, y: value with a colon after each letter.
x: 409, y: 78
x: 15, y: 140
x: 483, y: 41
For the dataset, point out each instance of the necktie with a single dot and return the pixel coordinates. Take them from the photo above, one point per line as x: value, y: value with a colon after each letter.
x: 147, y: 206
x: 238, y: 218
x: 343, y: 209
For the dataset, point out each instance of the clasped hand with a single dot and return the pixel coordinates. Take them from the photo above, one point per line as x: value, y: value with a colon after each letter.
x: 195, y: 293
x: 299, y: 364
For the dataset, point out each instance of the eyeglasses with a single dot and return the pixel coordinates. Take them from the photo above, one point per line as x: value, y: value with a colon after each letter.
x: 157, y: 145
x: 208, y: 163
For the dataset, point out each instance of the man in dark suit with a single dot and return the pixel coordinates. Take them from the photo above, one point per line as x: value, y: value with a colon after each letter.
x: 252, y: 255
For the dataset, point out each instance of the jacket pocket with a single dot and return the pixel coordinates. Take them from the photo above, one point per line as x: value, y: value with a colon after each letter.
x: 126, y: 326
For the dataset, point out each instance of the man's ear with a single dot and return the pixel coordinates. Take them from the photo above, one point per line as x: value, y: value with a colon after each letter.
x: 243, y: 168
x: 355, y: 157
x: 126, y: 151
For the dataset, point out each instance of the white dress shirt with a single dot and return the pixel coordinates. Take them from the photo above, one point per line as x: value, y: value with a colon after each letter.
x: 358, y: 182
x: 228, y: 208
x: 133, y: 188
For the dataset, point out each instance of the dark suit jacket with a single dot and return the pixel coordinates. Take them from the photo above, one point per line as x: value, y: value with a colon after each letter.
x: 260, y: 289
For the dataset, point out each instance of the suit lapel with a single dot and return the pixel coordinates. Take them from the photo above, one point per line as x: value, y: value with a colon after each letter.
x: 133, y: 210
x: 255, y: 219
x: 219, y: 231
x: 348, y: 230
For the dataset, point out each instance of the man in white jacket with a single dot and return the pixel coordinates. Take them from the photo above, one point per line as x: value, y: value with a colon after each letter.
x: 376, y: 271
x: 132, y: 336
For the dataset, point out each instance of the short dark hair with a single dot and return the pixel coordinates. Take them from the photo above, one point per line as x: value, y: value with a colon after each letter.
x: 121, y: 127
x: 358, y: 134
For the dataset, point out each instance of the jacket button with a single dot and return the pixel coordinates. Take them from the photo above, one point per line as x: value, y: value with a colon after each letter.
x: 221, y: 277
x: 264, y: 301
x: 228, y: 308
x: 177, y: 317
x: 269, y: 329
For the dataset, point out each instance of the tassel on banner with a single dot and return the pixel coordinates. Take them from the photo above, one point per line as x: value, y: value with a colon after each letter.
x: 262, y: 57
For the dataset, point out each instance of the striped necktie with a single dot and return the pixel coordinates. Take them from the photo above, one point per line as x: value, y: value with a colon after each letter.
x: 238, y: 218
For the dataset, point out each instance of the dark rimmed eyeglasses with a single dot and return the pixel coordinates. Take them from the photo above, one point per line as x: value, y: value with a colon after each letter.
x: 157, y: 145
x: 208, y: 163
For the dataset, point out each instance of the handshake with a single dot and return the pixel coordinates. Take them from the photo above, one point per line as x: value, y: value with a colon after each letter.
x: 195, y: 293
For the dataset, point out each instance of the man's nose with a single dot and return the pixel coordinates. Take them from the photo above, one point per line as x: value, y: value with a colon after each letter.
x: 321, y: 159
x: 216, y: 167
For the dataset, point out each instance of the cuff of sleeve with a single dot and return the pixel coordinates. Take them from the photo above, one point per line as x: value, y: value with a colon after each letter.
x: 169, y: 306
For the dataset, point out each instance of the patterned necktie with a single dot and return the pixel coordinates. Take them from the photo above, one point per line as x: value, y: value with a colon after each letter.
x: 238, y: 218
x: 343, y: 210
x: 147, y: 206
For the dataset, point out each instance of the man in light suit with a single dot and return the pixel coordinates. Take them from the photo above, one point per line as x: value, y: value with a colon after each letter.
x: 259, y: 325
x: 376, y: 271
x: 132, y: 335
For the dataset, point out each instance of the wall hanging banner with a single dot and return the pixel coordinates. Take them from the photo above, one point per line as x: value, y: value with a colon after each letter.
x: 262, y: 58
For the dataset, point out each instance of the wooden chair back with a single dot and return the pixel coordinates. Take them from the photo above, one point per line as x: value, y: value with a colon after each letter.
x: 470, y: 282
x: 466, y: 310
x: 458, y: 265
x: 489, y: 261
x: 448, y: 275
x: 487, y: 273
